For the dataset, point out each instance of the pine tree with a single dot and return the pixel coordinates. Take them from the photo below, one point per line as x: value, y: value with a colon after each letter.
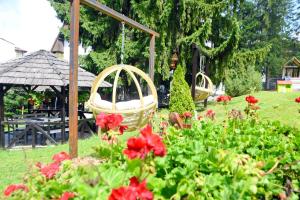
x: 181, y: 99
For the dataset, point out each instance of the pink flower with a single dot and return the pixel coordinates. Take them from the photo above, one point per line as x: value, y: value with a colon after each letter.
x: 60, y: 157
x: 224, y: 99
x: 200, y: 118
x: 297, y: 100
x: 164, y: 125
x: 187, y: 115
x: 67, y: 196
x: 251, y: 99
x: 101, y: 120
x: 210, y: 114
x: 14, y: 187
x: 50, y: 170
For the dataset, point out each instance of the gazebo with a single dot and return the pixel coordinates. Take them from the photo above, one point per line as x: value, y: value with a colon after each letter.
x: 40, y: 68
x: 291, y: 75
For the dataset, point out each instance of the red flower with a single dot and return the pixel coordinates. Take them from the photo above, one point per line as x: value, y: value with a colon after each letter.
x: 109, y: 122
x: 134, y: 191
x: 224, y: 99
x: 59, y: 157
x: 141, y: 146
x: 136, y: 148
x: 210, y: 114
x: 14, y: 187
x: 113, y: 121
x: 67, y: 196
x: 297, y: 100
x: 122, y: 193
x: 50, y: 170
x: 187, y: 115
x: 141, y: 189
x: 153, y: 141
x: 251, y: 99
x: 122, y: 129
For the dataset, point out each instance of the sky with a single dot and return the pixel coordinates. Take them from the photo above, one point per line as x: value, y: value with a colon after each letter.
x: 29, y: 24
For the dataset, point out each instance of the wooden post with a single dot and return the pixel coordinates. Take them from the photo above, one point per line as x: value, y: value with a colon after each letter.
x: 63, y: 114
x: 194, y: 68
x: 152, y: 57
x: 2, y: 136
x: 73, y: 84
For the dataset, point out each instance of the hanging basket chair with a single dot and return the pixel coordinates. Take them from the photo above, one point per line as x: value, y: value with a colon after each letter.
x: 204, y: 89
x: 136, y: 113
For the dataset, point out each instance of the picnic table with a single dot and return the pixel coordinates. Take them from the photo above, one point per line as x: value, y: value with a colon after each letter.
x: 40, y: 125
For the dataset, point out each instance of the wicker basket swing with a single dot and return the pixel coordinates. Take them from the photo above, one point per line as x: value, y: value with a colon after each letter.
x: 136, y: 113
x: 204, y: 89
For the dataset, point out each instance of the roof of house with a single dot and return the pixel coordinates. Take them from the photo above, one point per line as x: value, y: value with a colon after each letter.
x: 42, y: 68
x: 293, y: 62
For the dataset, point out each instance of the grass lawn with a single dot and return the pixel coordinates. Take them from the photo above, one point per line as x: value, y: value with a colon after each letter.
x: 274, y: 106
x: 14, y: 163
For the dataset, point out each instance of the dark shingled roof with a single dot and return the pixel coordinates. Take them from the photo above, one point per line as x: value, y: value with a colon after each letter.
x: 44, y: 69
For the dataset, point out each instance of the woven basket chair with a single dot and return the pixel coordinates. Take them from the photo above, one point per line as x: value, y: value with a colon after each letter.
x: 204, y: 89
x: 134, y: 118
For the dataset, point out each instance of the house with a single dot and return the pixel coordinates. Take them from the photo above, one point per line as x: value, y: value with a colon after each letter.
x: 291, y: 73
x: 8, y: 50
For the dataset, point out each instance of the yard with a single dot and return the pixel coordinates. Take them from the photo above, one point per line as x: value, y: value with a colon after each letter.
x: 273, y: 106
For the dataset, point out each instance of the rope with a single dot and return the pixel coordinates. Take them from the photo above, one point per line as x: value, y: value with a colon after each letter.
x: 123, y: 42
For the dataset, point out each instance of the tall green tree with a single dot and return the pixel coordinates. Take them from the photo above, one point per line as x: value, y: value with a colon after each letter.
x: 179, y: 22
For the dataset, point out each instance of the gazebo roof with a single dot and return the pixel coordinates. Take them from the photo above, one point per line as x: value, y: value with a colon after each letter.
x: 42, y: 68
x: 293, y: 62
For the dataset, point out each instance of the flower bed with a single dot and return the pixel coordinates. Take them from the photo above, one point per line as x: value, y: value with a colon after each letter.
x: 243, y: 158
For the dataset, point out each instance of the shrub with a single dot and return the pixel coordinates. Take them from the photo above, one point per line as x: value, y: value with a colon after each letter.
x: 181, y: 98
x: 242, y: 81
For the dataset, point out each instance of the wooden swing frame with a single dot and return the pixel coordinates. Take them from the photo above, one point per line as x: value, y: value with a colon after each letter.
x: 74, y: 41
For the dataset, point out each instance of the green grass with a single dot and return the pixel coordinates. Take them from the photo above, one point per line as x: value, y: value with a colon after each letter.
x: 273, y: 106
x: 14, y: 163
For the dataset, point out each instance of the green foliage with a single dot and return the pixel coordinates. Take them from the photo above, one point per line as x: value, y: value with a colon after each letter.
x: 205, y: 162
x: 180, y: 99
x: 241, y: 81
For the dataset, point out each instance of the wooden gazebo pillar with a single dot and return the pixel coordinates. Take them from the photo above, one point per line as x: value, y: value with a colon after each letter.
x: 73, y: 79
x: 2, y: 138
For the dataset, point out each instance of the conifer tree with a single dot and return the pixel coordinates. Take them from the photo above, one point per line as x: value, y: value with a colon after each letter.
x: 180, y: 99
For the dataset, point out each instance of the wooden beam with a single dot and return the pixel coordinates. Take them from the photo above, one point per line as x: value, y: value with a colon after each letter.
x: 63, y: 113
x: 2, y: 136
x: 118, y: 16
x: 73, y: 84
x: 152, y: 57
x: 56, y: 91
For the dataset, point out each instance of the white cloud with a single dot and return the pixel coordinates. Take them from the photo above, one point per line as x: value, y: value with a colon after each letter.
x: 30, y: 24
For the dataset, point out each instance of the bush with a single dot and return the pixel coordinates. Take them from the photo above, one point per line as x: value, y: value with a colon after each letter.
x: 181, y: 98
x: 242, y: 81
